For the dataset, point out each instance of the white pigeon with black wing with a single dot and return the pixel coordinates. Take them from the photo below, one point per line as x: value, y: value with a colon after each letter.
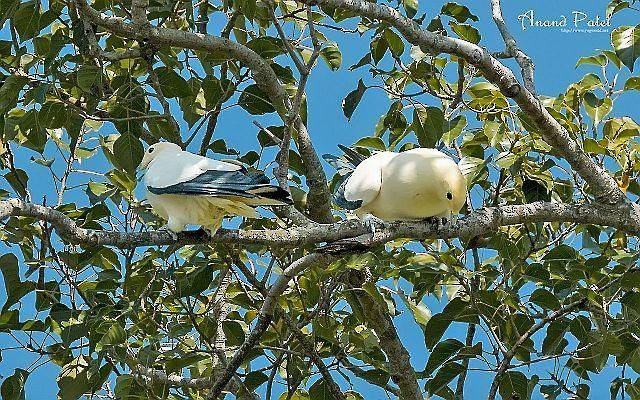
x: 412, y: 185
x: 188, y: 189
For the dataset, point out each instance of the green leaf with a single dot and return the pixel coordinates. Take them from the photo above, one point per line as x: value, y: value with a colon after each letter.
x: 266, y: 46
x: 332, y: 56
x: 379, y: 47
x: 512, y: 384
x: 52, y: 115
x: 320, y: 391
x: 194, y: 281
x: 34, y: 131
x: 445, y: 375
x: 633, y: 83
x: 466, y: 32
x: 611, y: 56
x: 297, y: 395
x: 16, y: 289
x: 597, y: 108
x: 352, y: 100
x: 410, y: 7
x: 435, y: 328
x: 616, y: 6
x: 589, y: 82
x: 620, y: 129
x: 428, y: 124
x: 366, y: 59
x: 233, y: 332
x: 246, y: 7
x: 580, y: 327
x: 453, y: 128
x: 394, y: 42
x: 592, y: 146
x: 7, y: 10
x: 421, y: 314
x: 213, y: 90
x: 376, y: 376
x: 626, y: 43
x: 128, y: 152
x: 114, y: 336
x: 10, y: 90
x: 371, y: 142
x: 554, y: 342
x: 78, y: 378
x: 562, y: 252
x: 535, y: 191
x: 254, y: 379
x: 255, y: 101
x: 441, y: 353
x: 172, y: 84
x: 457, y: 11
x: 13, y: 387
x: 27, y: 20
x: 599, y: 59
x: 545, y: 299
x: 89, y: 76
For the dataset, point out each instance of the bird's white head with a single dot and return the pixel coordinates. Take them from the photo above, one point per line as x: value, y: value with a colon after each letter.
x: 155, y: 149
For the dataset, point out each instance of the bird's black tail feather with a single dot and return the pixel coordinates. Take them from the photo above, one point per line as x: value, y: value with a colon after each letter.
x: 344, y: 164
x: 272, y: 192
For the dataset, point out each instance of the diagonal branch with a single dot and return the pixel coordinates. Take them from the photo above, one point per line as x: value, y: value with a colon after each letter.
x: 504, y: 365
x: 523, y: 60
x: 307, y: 343
x: 402, y: 373
x: 602, y: 185
x: 265, y: 316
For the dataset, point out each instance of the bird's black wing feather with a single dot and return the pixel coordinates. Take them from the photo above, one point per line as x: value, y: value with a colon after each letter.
x: 240, y: 183
x: 352, y: 156
x: 340, y: 200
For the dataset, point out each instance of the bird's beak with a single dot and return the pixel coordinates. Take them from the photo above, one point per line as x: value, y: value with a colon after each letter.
x: 145, y: 162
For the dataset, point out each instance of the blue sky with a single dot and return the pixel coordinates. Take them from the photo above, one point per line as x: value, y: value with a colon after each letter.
x: 554, y: 53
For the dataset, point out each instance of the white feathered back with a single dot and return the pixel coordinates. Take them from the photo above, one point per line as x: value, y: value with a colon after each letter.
x: 364, y: 184
x: 170, y: 167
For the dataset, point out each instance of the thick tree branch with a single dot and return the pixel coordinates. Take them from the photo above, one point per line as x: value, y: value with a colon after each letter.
x: 176, y: 380
x: 523, y: 60
x: 319, y: 198
x: 402, y: 373
x: 602, y: 184
x: 484, y: 221
x: 139, y: 11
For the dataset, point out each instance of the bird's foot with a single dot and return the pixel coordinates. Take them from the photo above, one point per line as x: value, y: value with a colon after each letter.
x: 166, y: 229
x: 373, y: 223
x: 211, y: 230
x: 437, y: 223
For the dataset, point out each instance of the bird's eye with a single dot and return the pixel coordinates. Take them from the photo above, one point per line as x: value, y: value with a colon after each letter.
x: 449, y: 196
x: 150, y: 150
